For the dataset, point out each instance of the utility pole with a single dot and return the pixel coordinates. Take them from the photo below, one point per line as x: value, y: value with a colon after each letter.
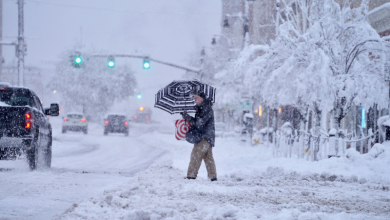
x: 20, y: 49
x: 277, y: 17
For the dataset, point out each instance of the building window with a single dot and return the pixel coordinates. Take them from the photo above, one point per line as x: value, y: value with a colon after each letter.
x: 226, y: 23
x: 385, y: 111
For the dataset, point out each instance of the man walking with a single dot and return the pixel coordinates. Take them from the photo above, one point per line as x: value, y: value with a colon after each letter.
x: 204, y: 125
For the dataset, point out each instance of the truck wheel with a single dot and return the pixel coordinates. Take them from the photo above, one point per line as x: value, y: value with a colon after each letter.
x: 85, y: 130
x: 47, y: 153
x: 105, y: 132
x: 126, y: 133
x: 32, y: 155
x: 63, y: 130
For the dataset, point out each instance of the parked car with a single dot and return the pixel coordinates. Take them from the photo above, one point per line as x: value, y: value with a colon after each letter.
x: 24, y: 128
x: 116, y: 123
x: 75, y: 122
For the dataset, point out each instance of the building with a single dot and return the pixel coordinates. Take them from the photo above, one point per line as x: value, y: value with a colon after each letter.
x: 233, y: 21
x: 379, y: 18
x: 254, y: 21
x: 248, y: 21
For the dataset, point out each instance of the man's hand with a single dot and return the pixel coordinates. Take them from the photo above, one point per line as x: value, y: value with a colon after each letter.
x: 186, y: 116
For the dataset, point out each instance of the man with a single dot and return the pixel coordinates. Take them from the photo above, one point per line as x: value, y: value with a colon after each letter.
x: 204, y: 123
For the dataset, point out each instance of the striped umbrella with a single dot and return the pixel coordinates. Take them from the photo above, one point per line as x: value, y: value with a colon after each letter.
x: 178, y: 96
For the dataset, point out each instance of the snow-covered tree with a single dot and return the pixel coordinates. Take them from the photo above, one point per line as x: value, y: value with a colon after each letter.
x: 356, y: 57
x: 324, y: 56
x: 94, y: 87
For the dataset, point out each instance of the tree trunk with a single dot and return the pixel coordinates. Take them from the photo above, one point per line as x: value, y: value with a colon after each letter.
x: 301, y: 139
x: 275, y: 127
x: 317, y: 133
x: 374, y: 130
x: 337, y: 127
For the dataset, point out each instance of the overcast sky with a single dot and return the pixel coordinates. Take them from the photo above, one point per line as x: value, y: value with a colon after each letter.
x: 163, y: 29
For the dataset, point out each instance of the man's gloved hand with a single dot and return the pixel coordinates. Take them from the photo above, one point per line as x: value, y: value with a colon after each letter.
x: 186, y: 116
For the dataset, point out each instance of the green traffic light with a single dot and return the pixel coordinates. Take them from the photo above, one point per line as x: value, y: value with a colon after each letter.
x: 146, y: 64
x: 111, y: 63
x: 78, y: 60
x: 139, y: 96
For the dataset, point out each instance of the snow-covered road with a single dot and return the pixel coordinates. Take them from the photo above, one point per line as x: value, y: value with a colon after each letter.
x: 82, y: 167
x: 141, y: 177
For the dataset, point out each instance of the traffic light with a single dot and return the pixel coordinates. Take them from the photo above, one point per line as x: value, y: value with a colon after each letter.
x: 77, y: 59
x: 111, y: 62
x: 139, y: 96
x: 146, y: 63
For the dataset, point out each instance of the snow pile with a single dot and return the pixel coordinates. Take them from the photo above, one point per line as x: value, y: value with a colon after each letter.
x: 160, y: 193
x: 377, y: 160
x: 251, y: 185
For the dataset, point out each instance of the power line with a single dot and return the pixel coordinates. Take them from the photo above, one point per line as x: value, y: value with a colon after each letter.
x: 114, y: 10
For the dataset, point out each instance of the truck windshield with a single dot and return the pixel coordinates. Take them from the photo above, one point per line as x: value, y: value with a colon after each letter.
x: 16, y: 98
x: 116, y: 118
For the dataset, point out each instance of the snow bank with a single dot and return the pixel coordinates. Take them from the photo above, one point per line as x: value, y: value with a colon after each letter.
x: 251, y: 185
x: 160, y: 193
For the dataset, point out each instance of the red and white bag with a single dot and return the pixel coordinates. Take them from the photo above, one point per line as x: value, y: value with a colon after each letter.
x: 181, y: 129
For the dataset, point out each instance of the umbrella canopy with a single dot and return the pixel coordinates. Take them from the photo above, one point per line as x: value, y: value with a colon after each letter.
x: 178, y: 96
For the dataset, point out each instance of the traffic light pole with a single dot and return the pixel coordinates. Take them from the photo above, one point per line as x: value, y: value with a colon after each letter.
x: 20, y: 49
x: 20, y: 46
x: 1, y: 38
x: 150, y: 59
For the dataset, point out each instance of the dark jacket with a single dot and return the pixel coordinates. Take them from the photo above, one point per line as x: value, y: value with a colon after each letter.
x: 204, y: 121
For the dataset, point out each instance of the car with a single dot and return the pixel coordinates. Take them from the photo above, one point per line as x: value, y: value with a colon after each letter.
x: 142, y: 115
x: 25, y: 130
x: 116, y: 123
x: 75, y: 122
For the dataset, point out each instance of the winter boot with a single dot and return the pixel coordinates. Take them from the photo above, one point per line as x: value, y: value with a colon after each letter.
x: 189, y: 178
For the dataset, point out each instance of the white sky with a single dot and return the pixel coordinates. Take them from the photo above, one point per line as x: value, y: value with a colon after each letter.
x: 168, y: 30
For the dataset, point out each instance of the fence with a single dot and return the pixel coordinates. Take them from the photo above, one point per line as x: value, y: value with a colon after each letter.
x: 317, y: 147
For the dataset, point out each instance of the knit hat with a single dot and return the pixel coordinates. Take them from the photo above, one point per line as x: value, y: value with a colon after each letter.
x: 200, y: 93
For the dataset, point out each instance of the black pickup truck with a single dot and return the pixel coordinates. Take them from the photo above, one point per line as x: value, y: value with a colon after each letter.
x: 25, y: 130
